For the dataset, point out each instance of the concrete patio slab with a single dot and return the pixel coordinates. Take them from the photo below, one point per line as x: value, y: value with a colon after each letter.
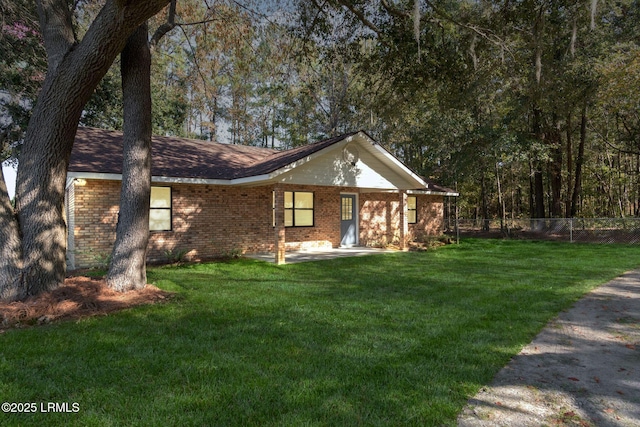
x: 321, y: 254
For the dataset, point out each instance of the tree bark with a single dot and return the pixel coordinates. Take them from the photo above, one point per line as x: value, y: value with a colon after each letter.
x: 127, y: 269
x: 69, y: 83
x: 10, y: 251
x: 57, y: 30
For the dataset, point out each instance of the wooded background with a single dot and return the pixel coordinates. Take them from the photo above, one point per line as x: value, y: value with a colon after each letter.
x: 527, y: 108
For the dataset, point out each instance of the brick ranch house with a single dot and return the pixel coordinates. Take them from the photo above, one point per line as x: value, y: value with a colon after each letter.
x: 210, y: 199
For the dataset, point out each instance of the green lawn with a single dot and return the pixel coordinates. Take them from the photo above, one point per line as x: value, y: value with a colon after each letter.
x: 394, y: 339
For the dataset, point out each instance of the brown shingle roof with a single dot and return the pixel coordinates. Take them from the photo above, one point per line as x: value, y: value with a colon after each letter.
x: 100, y: 151
x: 284, y: 158
x: 436, y: 187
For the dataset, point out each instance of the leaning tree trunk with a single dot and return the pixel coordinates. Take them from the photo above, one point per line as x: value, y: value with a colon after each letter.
x: 127, y: 269
x: 74, y: 72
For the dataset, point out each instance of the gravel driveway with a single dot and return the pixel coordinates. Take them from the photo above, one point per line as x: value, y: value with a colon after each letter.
x: 583, y: 369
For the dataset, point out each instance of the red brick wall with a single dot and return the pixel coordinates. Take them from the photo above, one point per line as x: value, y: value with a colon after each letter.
x: 380, y: 218
x: 210, y: 221
x: 429, y: 217
x: 95, y: 217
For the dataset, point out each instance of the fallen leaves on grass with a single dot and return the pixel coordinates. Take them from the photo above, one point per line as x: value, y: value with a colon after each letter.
x: 79, y: 297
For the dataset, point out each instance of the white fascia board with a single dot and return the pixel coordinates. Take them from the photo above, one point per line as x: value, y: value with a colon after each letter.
x: 379, y: 190
x: 410, y: 192
x: 398, y: 164
x: 250, y: 180
x: 167, y: 179
x: 433, y: 192
x: 93, y: 175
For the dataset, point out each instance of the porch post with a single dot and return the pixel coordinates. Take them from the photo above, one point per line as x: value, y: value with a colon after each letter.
x: 404, y: 225
x: 279, y: 225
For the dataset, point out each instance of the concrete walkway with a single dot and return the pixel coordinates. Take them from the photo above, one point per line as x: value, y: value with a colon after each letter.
x: 320, y: 254
x: 583, y: 369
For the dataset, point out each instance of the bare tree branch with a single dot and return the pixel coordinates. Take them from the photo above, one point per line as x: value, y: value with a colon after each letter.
x: 169, y: 25
x: 610, y: 144
x: 360, y: 15
x: 394, y: 11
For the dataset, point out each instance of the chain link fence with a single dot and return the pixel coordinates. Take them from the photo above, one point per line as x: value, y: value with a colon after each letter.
x: 597, y: 230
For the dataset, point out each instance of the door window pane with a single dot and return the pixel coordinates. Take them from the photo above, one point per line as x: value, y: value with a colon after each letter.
x: 347, y: 208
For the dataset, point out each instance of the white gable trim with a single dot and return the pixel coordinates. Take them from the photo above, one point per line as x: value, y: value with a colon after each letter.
x: 398, y: 164
x: 434, y: 192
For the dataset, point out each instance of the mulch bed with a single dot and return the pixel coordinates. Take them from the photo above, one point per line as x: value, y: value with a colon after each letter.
x: 79, y: 297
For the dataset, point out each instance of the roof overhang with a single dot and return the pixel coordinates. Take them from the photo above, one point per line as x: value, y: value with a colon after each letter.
x: 71, y: 176
x: 434, y: 192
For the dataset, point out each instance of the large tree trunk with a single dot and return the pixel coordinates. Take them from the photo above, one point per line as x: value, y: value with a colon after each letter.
x: 74, y: 72
x: 127, y: 270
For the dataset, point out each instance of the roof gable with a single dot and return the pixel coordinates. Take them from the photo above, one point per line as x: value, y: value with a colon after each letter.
x: 355, y: 160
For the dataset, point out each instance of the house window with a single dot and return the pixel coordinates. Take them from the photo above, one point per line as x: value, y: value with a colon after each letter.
x: 412, y: 211
x: 347, y: 208
x: 160, y: 212
x: 298, y: 209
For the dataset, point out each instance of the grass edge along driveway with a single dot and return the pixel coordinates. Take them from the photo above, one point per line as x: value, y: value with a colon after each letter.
x: 393, y: 339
